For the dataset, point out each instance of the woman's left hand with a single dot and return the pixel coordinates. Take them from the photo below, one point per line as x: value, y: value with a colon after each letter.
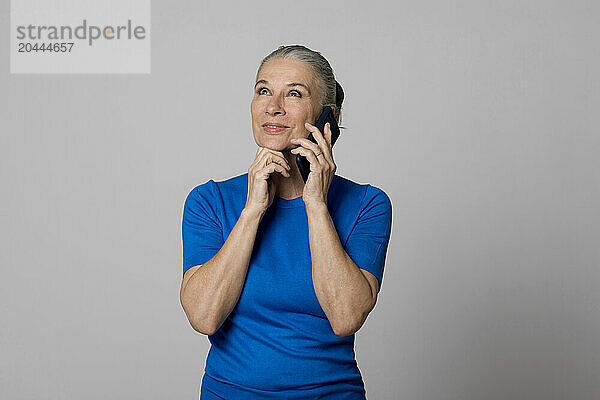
x: 322, y: 166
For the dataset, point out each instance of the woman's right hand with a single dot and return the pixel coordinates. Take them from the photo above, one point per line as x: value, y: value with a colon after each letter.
x: 261, y: 189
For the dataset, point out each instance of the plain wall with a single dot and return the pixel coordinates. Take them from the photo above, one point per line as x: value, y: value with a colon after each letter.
x: 479, y: 119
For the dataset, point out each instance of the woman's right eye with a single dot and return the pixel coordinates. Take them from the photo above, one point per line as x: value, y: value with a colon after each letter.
x: 260, y: 91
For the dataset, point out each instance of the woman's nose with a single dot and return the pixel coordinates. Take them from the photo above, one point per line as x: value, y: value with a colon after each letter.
x: 274, y: 106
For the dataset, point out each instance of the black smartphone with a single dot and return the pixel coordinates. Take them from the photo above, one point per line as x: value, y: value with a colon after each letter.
x: 326, y: 116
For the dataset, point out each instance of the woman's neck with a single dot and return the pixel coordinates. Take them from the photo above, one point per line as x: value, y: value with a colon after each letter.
x: 288, y: 187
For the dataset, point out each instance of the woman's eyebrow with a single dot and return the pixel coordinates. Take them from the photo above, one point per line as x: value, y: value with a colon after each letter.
x: 299, y: 84
x: 289, y: 84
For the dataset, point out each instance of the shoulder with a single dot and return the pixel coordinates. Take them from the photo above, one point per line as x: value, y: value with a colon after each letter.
x: 236, y: 182
x: 219, y: 195
x: 214, y: 187
x: 343, y: 190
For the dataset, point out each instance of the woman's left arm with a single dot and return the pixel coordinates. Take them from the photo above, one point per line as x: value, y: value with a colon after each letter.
x: 347, y: 293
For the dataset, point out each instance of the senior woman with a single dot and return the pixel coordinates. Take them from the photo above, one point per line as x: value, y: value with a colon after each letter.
x: 278, y: 272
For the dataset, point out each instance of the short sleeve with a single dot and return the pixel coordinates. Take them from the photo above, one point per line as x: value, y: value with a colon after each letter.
x: 201, y: 229
x: 368, y: 241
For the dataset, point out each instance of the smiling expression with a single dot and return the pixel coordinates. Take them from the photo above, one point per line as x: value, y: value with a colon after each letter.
x: 285, y: 95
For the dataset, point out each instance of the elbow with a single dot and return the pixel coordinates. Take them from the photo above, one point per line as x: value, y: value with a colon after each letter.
x: 350, y: 324
x: 201, y: 322
x: 346, y: 330
x: 348, y: 327
x: 204, y: 326
x: 204, y: 320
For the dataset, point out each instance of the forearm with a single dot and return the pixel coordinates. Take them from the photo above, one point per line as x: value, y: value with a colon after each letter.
x: 342, y: 290
x: 213, y: 290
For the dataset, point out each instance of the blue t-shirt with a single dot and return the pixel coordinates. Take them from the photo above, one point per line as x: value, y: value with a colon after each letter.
x: 277, y: 342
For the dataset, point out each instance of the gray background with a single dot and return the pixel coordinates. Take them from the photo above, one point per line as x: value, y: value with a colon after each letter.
x: 479, y: 119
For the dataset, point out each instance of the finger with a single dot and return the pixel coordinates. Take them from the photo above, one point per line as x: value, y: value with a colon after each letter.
x: 324, y: 145
x: 263, y: 150
x: 309, y: 154
x: 309, y: 145
x: 257, y: 156
x: 327, y: 140
x: 264, y: 158
x: 272, y: 167
x: 273, y: 151
x: 271, y: 157
x: 328, y: 134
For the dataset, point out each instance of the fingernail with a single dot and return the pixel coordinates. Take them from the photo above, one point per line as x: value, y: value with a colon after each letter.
x: 307, y: 124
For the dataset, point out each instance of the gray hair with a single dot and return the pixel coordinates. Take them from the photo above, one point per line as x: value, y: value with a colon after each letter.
x: 331, y: 93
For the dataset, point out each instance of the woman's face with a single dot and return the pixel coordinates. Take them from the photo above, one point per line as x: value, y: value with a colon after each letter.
x: 285, y: 94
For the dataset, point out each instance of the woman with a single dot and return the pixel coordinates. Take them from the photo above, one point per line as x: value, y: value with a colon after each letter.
x: 279, y: 273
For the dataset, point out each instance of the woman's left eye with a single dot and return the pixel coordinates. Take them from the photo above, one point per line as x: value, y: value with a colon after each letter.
x: 297, y: 92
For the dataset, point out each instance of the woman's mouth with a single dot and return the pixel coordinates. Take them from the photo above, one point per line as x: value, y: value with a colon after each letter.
x: 274, y: 128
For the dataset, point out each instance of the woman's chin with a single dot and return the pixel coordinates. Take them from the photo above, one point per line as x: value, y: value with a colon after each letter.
x: 276, y: 144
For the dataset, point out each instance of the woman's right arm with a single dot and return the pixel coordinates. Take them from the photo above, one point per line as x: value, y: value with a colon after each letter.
x: 209, y: 292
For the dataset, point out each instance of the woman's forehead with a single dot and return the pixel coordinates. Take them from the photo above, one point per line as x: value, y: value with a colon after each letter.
x: 285, y: 71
